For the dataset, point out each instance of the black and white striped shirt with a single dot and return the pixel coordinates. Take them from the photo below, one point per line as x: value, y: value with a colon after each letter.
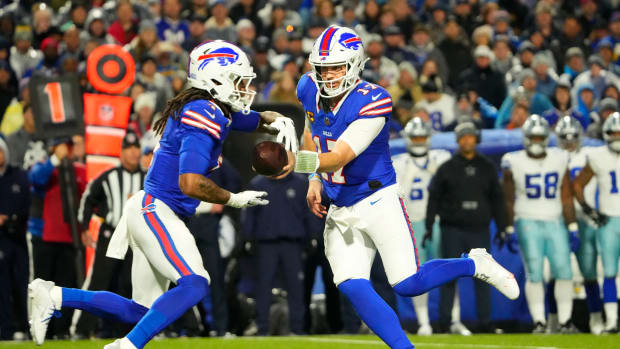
x: 107, y: 194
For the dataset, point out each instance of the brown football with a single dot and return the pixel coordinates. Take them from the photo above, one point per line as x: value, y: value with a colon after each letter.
x: 269, y: 158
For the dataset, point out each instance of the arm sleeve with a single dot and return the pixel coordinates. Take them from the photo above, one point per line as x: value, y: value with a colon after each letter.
x: 245, y: 123
x: 361, y: 133
x: 195, y: 152
x: 91, y: 199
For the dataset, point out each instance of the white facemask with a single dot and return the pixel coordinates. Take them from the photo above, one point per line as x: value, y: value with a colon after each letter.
x: 418, y: 150
x: 614, y: 146
x: 536, y: 149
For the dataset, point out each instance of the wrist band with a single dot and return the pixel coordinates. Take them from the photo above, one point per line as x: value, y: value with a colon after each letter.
x: 573, y: 226
x: 314, y: 177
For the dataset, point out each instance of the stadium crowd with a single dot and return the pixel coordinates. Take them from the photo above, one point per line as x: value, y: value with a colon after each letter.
x: 493, y: 63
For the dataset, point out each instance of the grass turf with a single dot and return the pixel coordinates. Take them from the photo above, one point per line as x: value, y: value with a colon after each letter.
x: 509, y: 341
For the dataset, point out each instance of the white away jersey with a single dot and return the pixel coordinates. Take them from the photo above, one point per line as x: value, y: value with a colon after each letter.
x: 606, y: 166
x: 414, y: 176
x: 441, y: 111
x: 537, y: 183
x: 576, y: 162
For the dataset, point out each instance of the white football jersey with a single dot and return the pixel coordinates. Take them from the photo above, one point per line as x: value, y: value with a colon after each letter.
x: 537, y: 183
x: 606, y: 167
x: 414, y: 176
x: 576, y: 162
x: 440, y: 112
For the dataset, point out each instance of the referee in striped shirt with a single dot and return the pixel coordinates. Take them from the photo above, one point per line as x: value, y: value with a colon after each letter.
x: 106, y: 196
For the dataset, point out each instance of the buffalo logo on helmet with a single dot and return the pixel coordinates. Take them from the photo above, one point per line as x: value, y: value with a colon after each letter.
x: 350, y: 41
x: 223, y: 56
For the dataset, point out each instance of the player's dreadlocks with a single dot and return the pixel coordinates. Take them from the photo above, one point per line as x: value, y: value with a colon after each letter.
x: 176, y: 104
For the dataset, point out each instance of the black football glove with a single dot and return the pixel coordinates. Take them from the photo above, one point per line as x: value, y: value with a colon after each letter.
x: 428, y: 236
x: 597, y: 217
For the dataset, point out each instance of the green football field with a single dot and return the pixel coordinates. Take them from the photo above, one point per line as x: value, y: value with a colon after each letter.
x: 508, y: 341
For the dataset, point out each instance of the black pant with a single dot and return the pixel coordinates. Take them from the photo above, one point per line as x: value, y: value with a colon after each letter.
x: 108, y: 274
x: 14, y: 284
x: 205, y: 227
x: 314, y: 258
x: 56, y: 262
x: 271, y: 255
x: 454, y: 241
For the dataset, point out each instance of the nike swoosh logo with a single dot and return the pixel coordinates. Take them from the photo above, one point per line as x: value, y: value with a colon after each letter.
x: 374, y: 98
x: 210, y: 114
x: 374, y: 202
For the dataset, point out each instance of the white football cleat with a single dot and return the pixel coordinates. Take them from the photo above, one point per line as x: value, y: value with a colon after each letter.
x: 41, y: 308
x: 122, y: 343
x: 425, y: 330
x: 459, y: 328
x: 488, y: 270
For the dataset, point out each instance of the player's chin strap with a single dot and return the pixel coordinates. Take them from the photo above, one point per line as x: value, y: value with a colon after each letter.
x: 306, y: 161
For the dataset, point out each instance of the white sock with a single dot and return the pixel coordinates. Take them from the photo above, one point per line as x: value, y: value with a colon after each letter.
x: 420, y: 303
x: 611, y: 313
x: 535, y: 295
x: 456, y: 306
x: 56, y: 295
x: 564, y: 299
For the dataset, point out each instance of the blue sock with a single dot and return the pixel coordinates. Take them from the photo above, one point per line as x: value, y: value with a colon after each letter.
x: 550, y: 298
x: 435, y: 273
x: 104, y: 304
x: 381, y: 319
x: 169, y: 307
x: 610, y: 294
x: 593, y: 296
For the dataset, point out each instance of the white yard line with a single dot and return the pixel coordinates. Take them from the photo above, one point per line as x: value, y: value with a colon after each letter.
x: 421, y: 344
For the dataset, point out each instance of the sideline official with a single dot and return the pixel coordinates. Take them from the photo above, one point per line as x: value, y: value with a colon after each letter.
x: 466, y: 195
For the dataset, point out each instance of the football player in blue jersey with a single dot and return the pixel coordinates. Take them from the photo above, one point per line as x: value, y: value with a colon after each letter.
x: 346, y: 153
x: 193, y: 129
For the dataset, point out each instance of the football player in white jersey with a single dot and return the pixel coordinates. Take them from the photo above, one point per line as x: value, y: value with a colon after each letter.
x: 569, y: 133
x: 538, y: 192
x: 604, y: 164
x: 414, y: 170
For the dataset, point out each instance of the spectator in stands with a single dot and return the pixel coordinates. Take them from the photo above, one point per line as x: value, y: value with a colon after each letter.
x: 524, y: 59
x: 546, y: 78
x: 125, y: 27
x: 482, y: 36
x: 14, y: 207
x: 144, y: 43
x: 8, y: 86
x: 148, y: 142
x: 349, y: 18
x: 465, y: 16
x: 589, y: 16
x: 77, y: 14
x: 171, y: 27
x: 573, y: 65
x: 56, y: 260
x: 571, y: 36
x: 423, y: 49
x: 502, y: 53
x: 440, y: 106
x: 612, y: 91
x: 42, y: 24
x: 154, y: 81
x: 325, y: 9
x: 406, y: 88
x: 372, y: 11
x: 220, y: 26
x: 395, y: 45
x: 144, y: 109
x: 520, y: 113
x: 280, y: 231
x: 196, y: 32
x: 96, y: 27
x: 456, y: 50
x: 50, y: 65
x: 562, y: 105
x: 18, y: 142
x: 247, y: 9
x: 538, y: 102
x: 278, y: 53
x: 596, y: 76
x: 246, y: 34
x: 585, y: 103
x: 283, y: 90
x: 604, y: 49
x: 501, y: 26
x: 488, y: 83
x: 315, y: 28
x: 262, y: 68
x: 607, y: 107
x: 379, y: 69
x: 437, y: 23
x: 295, y: 49
x: 71, y: 44
x: 23, y: 56
x: 614, y: 33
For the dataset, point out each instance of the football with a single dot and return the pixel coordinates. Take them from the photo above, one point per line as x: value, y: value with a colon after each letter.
x: 269, y: 158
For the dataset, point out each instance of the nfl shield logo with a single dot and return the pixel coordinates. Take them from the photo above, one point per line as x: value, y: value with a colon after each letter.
x: 106, y: 112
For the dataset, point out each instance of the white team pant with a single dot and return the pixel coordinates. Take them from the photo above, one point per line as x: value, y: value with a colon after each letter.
x: 163, y: 248
x: 379, y: 222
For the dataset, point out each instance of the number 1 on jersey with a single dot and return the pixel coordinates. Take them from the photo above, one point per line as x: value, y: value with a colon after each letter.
x: 336, y: 177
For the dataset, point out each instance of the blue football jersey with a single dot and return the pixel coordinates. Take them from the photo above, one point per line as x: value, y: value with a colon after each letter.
x: 191, y: 144
x: 370, y: 170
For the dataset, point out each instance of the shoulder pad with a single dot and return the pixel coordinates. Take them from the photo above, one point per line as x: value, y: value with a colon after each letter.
x: 204, y: 115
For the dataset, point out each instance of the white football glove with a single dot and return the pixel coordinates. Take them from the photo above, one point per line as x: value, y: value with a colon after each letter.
x: 286, y: 133
x: 306, y: 161
x: 247, y: 198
